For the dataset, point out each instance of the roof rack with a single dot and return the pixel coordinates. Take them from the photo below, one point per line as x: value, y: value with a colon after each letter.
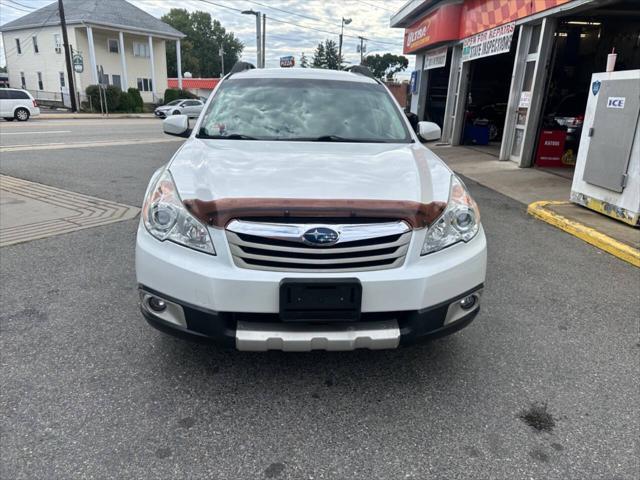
x: 241, y: 67
x: 361, y: 70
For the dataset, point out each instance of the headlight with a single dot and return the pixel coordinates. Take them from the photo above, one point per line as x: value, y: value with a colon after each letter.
x: 459, y: 222
x: 165, y: 217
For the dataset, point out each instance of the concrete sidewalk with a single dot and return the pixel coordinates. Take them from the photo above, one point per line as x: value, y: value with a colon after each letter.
x: 547, y: 197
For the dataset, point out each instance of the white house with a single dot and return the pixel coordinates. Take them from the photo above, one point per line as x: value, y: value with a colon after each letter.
x: 119, y: 45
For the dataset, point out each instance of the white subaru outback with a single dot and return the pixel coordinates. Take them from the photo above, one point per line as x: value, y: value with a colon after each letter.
x: 304, y: 213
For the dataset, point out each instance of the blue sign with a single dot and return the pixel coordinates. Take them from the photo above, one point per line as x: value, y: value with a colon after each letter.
x: 595, y: 87
x: 413, y: 83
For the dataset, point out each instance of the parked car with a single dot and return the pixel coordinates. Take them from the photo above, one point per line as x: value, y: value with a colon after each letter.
x: 17, y: 104
x: 303, y: 212
x: 189, y: 107
x: 569, y: 113
x: 492, y: 116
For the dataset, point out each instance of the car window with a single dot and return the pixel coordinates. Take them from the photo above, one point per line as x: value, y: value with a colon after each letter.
x: 304, y: 109
x: 4, y: 94
x: 175, y: 102
x: 18, y: 95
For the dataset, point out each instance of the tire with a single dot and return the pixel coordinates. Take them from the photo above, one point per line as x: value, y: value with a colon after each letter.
x: 9, y: 119
x: 22, y: 115
x: 176, y: 112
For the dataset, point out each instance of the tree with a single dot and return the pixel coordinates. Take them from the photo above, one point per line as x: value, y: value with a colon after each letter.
x: 387, y: 65
x: 200, y: 48
x: 331, y: 55
x: 304, y: 62
x: 326, y: 56
x: 319, y: 57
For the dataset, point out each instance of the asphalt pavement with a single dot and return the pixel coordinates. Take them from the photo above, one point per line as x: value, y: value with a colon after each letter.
x: 542, y: 385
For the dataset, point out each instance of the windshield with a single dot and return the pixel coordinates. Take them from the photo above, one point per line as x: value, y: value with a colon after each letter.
x: 175, y: 102
x: 303, y: 109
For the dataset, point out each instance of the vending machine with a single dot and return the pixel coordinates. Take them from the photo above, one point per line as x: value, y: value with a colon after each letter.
x: 607, y: 173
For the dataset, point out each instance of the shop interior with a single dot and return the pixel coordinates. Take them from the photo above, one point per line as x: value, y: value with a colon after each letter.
x: 437, y: 88
x: 487, y: 97
x: 582, y: 44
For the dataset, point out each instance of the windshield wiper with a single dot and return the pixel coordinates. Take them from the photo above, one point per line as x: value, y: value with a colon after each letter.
x: 231, y: 136
x: 337, y: 138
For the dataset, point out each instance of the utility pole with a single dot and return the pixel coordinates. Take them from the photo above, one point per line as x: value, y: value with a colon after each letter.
x: 67, y: 56
x: 221, y: 53
x: 362, y: 49
x: 264, y: 38
x: 345, y: 21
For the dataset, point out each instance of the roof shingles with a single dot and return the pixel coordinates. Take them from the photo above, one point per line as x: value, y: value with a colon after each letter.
x: 115, y: 13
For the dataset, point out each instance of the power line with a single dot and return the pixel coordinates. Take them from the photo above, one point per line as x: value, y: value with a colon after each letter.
x: 28, y: 7
x: 15, y: 8
x: 374, y: 6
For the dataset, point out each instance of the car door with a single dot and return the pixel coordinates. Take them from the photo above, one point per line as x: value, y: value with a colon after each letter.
x: 188, y: 108
x: 4, y: 103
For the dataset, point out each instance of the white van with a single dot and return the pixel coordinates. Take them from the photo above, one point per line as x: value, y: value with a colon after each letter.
x: 17, y: 104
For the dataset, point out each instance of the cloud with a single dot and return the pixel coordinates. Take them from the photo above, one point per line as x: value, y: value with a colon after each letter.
x: 284, y: 38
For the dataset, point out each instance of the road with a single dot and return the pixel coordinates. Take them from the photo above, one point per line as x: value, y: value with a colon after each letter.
x: 88, y: 390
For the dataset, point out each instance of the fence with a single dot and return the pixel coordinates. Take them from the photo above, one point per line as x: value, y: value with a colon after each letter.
x: 58, y: 99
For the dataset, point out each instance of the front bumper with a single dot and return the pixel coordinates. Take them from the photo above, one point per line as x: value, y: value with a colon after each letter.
x: 262, y: 332
x: 238, y: 307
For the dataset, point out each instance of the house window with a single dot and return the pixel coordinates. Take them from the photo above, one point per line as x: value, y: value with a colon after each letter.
x: 62, y: 82
x: 18, y: 46
x: 141, y: 49
x: 35, y: 44
x: 116, y: 82
x: 145, y: 85
x: 57, y: 42
x: 40, y: 84
x: 23, y: 81
x: 112, y: 46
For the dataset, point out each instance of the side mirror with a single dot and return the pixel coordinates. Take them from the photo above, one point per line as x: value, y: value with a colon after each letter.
x: 177, y: 125
x: 429, y: 131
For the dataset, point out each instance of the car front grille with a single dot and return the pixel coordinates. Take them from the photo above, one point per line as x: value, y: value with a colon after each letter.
x: 280, y: 246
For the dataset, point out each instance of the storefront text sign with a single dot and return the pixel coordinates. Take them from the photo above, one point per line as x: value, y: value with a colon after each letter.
x: 435, y: 58
x: 491, y: 42
x: 525, y: 100
x: 440, y: 25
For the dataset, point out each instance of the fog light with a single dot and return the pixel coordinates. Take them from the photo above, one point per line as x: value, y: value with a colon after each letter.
x: 467, y: 303
x: 157, y: 305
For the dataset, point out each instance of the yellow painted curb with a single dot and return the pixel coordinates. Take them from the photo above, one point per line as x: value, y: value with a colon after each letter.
x: 587, y: 234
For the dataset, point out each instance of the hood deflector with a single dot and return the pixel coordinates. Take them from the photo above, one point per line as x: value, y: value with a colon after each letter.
x: 219, y: 213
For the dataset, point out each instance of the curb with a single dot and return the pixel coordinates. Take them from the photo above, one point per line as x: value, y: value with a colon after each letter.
x: 90, y: 116
x: 587, y: 234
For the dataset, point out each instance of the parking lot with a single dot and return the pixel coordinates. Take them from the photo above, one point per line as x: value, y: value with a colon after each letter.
x: 543, y: 384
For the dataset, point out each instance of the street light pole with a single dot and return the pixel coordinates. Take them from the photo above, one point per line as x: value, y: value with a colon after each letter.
x: 258, y: 36
x: 264, y: 37
x: 345, y: 21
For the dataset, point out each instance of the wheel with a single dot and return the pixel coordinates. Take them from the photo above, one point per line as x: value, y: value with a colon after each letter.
x: 22, y: 114
x: 9, y: 119
x: 493, y: 132
x: 176, y: 112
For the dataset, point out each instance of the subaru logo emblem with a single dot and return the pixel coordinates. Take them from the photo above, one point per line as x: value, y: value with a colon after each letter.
x: 320, y: 236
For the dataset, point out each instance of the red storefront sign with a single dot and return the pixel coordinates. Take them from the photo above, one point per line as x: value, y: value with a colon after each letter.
x: 454, y: 22
x: 439, y: 26
x: 551, y: 148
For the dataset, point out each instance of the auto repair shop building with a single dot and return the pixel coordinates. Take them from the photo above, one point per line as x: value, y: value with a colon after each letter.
x: 503, y: 73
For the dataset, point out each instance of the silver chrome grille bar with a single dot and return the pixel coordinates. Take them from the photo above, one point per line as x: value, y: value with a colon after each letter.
x: 280, y: 247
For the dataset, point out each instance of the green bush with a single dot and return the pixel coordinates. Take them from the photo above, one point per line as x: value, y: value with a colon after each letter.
x: 113, y: 95
x: 93, y: 92
x: 171, y: 94
x: 136, y: 100
x: 117, y: 100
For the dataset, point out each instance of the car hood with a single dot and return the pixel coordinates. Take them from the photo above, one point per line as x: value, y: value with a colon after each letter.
x: 222, y: 169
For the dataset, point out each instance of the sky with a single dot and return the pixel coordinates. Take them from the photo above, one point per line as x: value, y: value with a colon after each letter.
x: 370, y: 19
